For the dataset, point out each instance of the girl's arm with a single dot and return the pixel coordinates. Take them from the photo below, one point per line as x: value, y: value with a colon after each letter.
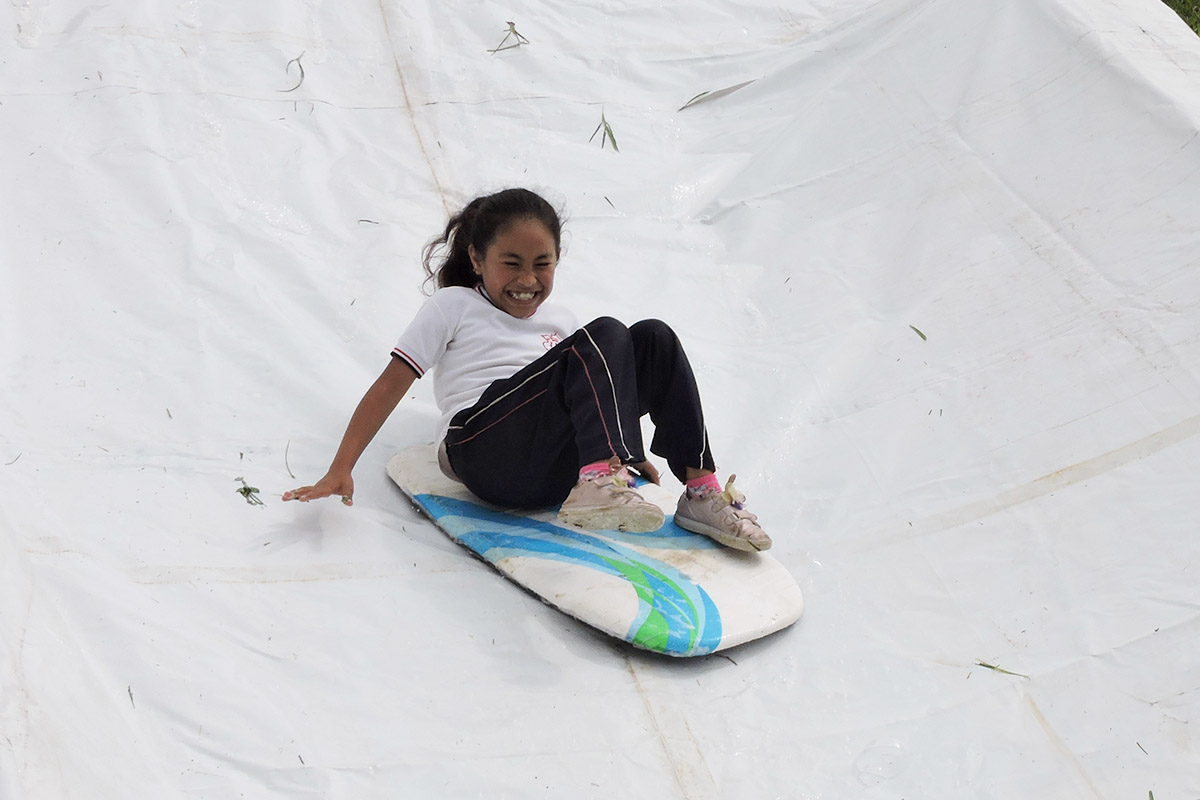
x: 373, y: 410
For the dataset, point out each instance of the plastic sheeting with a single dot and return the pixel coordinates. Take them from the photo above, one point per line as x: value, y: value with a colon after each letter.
x: 936, y: 264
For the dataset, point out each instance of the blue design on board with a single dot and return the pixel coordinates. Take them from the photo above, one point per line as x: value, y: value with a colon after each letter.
x: 692, y: 622
x: 669, y: 537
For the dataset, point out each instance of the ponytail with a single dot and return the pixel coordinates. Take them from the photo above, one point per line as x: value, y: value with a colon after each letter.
x: 447, y: 258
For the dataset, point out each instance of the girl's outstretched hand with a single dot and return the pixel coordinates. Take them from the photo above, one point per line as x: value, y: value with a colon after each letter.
x: 329, y: 485
x: 647, y: 471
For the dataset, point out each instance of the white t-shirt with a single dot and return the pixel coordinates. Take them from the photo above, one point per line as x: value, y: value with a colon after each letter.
x: 472, y: 343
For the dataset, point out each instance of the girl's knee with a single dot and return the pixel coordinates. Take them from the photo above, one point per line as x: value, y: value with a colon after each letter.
x: 653, y: 330
x: 605, y: 324
x: 653, y: 333
x: 607, y: 329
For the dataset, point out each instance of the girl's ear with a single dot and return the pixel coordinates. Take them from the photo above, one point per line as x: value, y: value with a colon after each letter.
x: 476, y: 261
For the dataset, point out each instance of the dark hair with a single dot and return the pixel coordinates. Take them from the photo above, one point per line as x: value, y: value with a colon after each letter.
x: 447, y: 259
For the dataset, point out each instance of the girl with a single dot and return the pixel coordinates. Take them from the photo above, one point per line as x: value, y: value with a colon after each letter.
x: 536, y: 412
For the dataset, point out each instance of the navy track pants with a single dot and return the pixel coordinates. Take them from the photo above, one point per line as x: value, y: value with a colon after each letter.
x: 523, y: 443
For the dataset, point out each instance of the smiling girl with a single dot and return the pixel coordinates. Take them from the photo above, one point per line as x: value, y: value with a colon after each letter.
x: 537, y: 411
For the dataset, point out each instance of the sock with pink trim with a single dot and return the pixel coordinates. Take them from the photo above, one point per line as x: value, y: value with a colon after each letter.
x: 701, y: 485
x: 597, y: 470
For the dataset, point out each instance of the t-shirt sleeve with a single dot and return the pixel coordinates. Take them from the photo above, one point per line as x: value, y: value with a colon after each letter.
x: 424, y: 341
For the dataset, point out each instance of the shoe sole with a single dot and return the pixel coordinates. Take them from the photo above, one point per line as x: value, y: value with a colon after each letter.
x: 719, y: 536
x: 641, y: 519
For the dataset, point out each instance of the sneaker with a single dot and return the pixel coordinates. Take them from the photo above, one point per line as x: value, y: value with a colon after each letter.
x: 722, y: 516
x: 609, y: 502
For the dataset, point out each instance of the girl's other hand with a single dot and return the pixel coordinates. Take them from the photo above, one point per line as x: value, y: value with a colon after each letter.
x: 331, y: 484
x: 647, y: 471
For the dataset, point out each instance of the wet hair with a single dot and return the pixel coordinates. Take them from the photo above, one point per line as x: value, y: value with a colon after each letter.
x: 447, y: 259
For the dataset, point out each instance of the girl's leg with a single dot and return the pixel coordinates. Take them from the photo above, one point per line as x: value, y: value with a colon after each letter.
x: 667, y: 391
x: 524, y: 442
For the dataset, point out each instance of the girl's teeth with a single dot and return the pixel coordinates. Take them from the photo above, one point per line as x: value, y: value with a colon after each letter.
x: 521, y: 295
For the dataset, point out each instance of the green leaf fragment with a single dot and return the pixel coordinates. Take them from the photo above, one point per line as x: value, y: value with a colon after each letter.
x: 924, y: 338
x: 986, y: 665
x: 704, y: 97
x: 249, y: 492
x: 512, y: 32
x: 608, y: 134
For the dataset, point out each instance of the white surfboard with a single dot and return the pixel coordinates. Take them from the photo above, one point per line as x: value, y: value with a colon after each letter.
x: 670, y: 591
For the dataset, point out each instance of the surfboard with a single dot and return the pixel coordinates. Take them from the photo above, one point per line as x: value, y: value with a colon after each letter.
x: 670, y: 591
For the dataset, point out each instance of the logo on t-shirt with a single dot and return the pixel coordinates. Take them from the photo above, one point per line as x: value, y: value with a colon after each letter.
x: 550, y: 339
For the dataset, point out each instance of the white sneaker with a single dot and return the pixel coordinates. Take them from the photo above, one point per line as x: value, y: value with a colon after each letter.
x: 722, y: 516
x: 609, y: 502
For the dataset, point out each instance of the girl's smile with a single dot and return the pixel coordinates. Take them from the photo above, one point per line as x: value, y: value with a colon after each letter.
x: 518, y: 268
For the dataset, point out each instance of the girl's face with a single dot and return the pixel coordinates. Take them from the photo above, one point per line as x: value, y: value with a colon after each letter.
x: 518, y: 267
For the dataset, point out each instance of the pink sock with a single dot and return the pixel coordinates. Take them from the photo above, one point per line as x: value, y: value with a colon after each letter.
x: 596, y: 470
x: 697, y: 485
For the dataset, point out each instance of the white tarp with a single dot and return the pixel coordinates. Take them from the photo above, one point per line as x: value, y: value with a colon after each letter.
x: 937, y: 264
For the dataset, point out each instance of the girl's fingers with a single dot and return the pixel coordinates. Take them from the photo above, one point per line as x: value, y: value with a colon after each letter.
x: 647, y: 471
x: 306, y: 493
